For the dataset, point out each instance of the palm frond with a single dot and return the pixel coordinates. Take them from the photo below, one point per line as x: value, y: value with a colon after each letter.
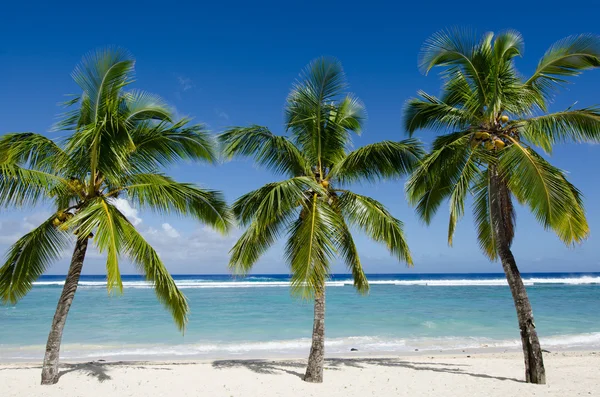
x: 573, y: 227
x: 341, y: 120
x: 152, y: 267
x: 256, y: 240
x: 482, y: 215
x: 431, y: 182
x: 100, y: 218
x: 565, y: 58
x: 458, y: 49
x: 33, y: 151
x: 162, y: 194
x: 386, y: 159
x: 349, y: 253
x: 274, y: 200
x: 29, y: 258
x: 460, y: 186
x: 26, y: 187
x: 579, y: 125
x: 375, y: 220
x: 272, y: 151
x: 311, y: 246
x: 101, y: 75
x: 507, y: 45
x: 545, y: 190
x: 319, y: 121
x: 143, y: 106
x: 431, y: 112
x: 162, y: 144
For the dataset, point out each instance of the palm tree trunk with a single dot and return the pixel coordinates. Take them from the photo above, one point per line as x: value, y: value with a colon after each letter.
x: 532, y: 350
x: 316, y: 359
x: 50, y: 367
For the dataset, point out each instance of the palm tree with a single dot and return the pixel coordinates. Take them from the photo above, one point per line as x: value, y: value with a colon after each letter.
x: 311, y: 206
x: 119, y: 140
x: 492, y: 119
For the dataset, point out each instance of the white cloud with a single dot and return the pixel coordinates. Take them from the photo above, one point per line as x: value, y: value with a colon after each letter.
x: 32, y: 221
x: 221, y: 114
x: 185, y: 83
x: 127, y: 210
x: 170, y: 230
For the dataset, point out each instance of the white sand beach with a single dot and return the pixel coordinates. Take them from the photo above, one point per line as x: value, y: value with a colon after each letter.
x: 466, y: 374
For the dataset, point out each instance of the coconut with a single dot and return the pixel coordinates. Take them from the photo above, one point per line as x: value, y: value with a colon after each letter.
x: 504, y: 118
x: 499, y: 143
x: 325, y: 183
x: 56, y: 222
x: 482, y: 135
x: 489, y: 145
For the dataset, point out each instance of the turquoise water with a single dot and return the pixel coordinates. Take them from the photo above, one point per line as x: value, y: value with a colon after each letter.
x: 257, y: 317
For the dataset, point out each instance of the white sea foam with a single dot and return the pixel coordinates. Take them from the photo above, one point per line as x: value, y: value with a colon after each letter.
x: 263, y: 282
x: 297, y: 347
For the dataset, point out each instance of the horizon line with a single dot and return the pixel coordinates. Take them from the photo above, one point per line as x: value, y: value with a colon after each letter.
x: 335, y: 274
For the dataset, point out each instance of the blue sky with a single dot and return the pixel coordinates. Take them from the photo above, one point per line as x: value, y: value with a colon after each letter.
x: 230, y: 63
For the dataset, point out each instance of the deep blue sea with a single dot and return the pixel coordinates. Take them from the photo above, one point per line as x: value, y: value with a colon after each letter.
x: 257, y: 317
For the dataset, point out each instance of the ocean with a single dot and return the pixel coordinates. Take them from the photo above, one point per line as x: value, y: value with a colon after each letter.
x: 257, y: 317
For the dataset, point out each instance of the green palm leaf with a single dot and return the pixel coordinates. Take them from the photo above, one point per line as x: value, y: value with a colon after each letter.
x: 567, y: 57
x: 159, y: 145
x: 482, y: 216
x: 372, y: 217
x: 314, y: 119
x: 380, y: 160
x: 581, y: 125
x: 27, y: 187
x: 431, y: 182
x: 29, y: 258
x: 349, y: 253
x: 430, y: 112
x: 544, y: 188
x: 162, y: 194
x: 32, y: 150
x: 152, y: 267
x: 274, y: 152
x: 311, y: 246
x: 274, y: 200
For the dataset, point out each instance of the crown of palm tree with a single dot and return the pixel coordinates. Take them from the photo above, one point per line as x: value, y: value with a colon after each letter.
x: 312, y: 206
x: 492, y: 119
x: 119, y: 141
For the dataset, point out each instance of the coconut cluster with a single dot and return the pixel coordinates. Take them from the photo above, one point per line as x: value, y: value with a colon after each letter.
x: 61, y: 218
x: 487, y: 140
x: 76, y: 185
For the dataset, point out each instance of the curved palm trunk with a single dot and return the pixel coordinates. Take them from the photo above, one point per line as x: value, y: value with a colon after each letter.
x: 50, y: 367
x: 316, y: 359
x: 532, y: 350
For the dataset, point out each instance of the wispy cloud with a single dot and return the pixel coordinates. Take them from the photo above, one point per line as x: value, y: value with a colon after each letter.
x: 170, y: 230
x: 221, y: 114
x: 185, y: 83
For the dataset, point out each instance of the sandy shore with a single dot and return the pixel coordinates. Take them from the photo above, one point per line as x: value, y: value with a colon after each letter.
x: 497, y: 374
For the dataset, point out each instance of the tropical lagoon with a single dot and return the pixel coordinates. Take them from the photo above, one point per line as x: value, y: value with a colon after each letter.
x: 249, y: 205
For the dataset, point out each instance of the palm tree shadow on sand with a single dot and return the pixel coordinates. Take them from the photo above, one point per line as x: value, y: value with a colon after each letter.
x: 336, y: 364
x: 99, y: 370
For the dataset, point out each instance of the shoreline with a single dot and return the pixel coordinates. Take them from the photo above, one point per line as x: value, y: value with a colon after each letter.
x: 266, y: 355
x: 358, y: 355
x: 482, y: 374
